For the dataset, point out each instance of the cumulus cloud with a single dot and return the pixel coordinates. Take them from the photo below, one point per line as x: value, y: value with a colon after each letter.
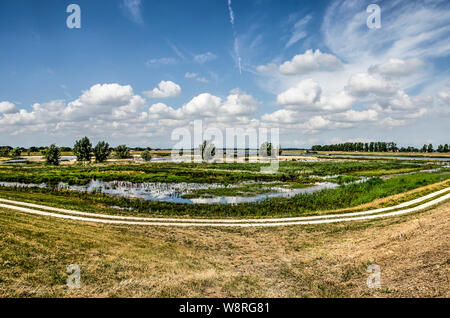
x: 7, y: 108
x: 306, y: 92
x: 397, y: 67
x: 165, y: 89
x: 203, y: 105
x: 238, y: 104
x: 308, y: 62
x: 307, y: 95
x: 282, y: 116
x: 316, y: 123
x: 356, y: 116
x: 364, y: 84
x: 97, y: 108
x: 162, y: 111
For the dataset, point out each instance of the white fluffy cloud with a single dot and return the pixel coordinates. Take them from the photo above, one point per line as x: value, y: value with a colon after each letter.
x: 316, y: 123
x: 306, y: 92
x: 308, y: 62
x: 165, y: 89
x: 7, y: 108
x: 100, y: 107
x: 162, y: 111
x: 236, y: 107
x: 356, y: 116
x: 307, y: 95
x: 397, y: 67
x: 364, y: 84
x: 282, y: 116
x: 203, y: 105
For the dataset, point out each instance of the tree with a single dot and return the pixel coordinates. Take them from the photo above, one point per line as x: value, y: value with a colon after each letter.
x: 16, y: 152
x: 122, y: 152
x: 102, y: 151
x: 52, y: 155
x: 266, y: 149
x: 424, y: 148
x: 446, y: 148
x: 82, y: 149
x: 440, y: 148
x: 207, y: 150
x: 430, y: 148
x: 146, y: 155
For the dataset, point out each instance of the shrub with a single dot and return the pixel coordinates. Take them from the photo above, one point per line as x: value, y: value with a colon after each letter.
x: 122, y: 152
x: 146, y: 155
x: 16, y: 152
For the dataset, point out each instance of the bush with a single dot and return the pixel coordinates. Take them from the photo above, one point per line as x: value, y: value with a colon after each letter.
x: 82, y: 149
x: 146, y: 155
x: 52, y: 155
x: 102, y: 151
x: 16, y: 152
x: 122, y: 152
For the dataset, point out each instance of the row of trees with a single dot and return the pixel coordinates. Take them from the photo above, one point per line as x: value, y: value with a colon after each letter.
x: 377, y: 147
x: 359, y: 146
x: 82, y: 149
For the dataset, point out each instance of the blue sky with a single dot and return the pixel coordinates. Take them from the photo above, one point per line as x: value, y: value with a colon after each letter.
x: 137, y: 70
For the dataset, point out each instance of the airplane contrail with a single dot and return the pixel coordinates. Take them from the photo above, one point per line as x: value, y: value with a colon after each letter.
x: 236, y: 44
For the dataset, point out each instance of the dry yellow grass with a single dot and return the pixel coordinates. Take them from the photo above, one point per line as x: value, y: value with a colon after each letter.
x: 297, y: 261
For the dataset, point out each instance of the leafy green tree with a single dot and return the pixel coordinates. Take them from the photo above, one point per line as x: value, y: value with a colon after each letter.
x: 122, y: 152
x: 102, y: 151
x: 52, y: 155
x: 440, y: 148
x: 146, y: 155
x: 430, y: 148
x: 446, y: 148
x: 82, y: 149
x: 16, y: 152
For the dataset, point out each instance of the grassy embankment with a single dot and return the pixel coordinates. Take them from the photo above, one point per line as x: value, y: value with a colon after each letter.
x: 297, y: 261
